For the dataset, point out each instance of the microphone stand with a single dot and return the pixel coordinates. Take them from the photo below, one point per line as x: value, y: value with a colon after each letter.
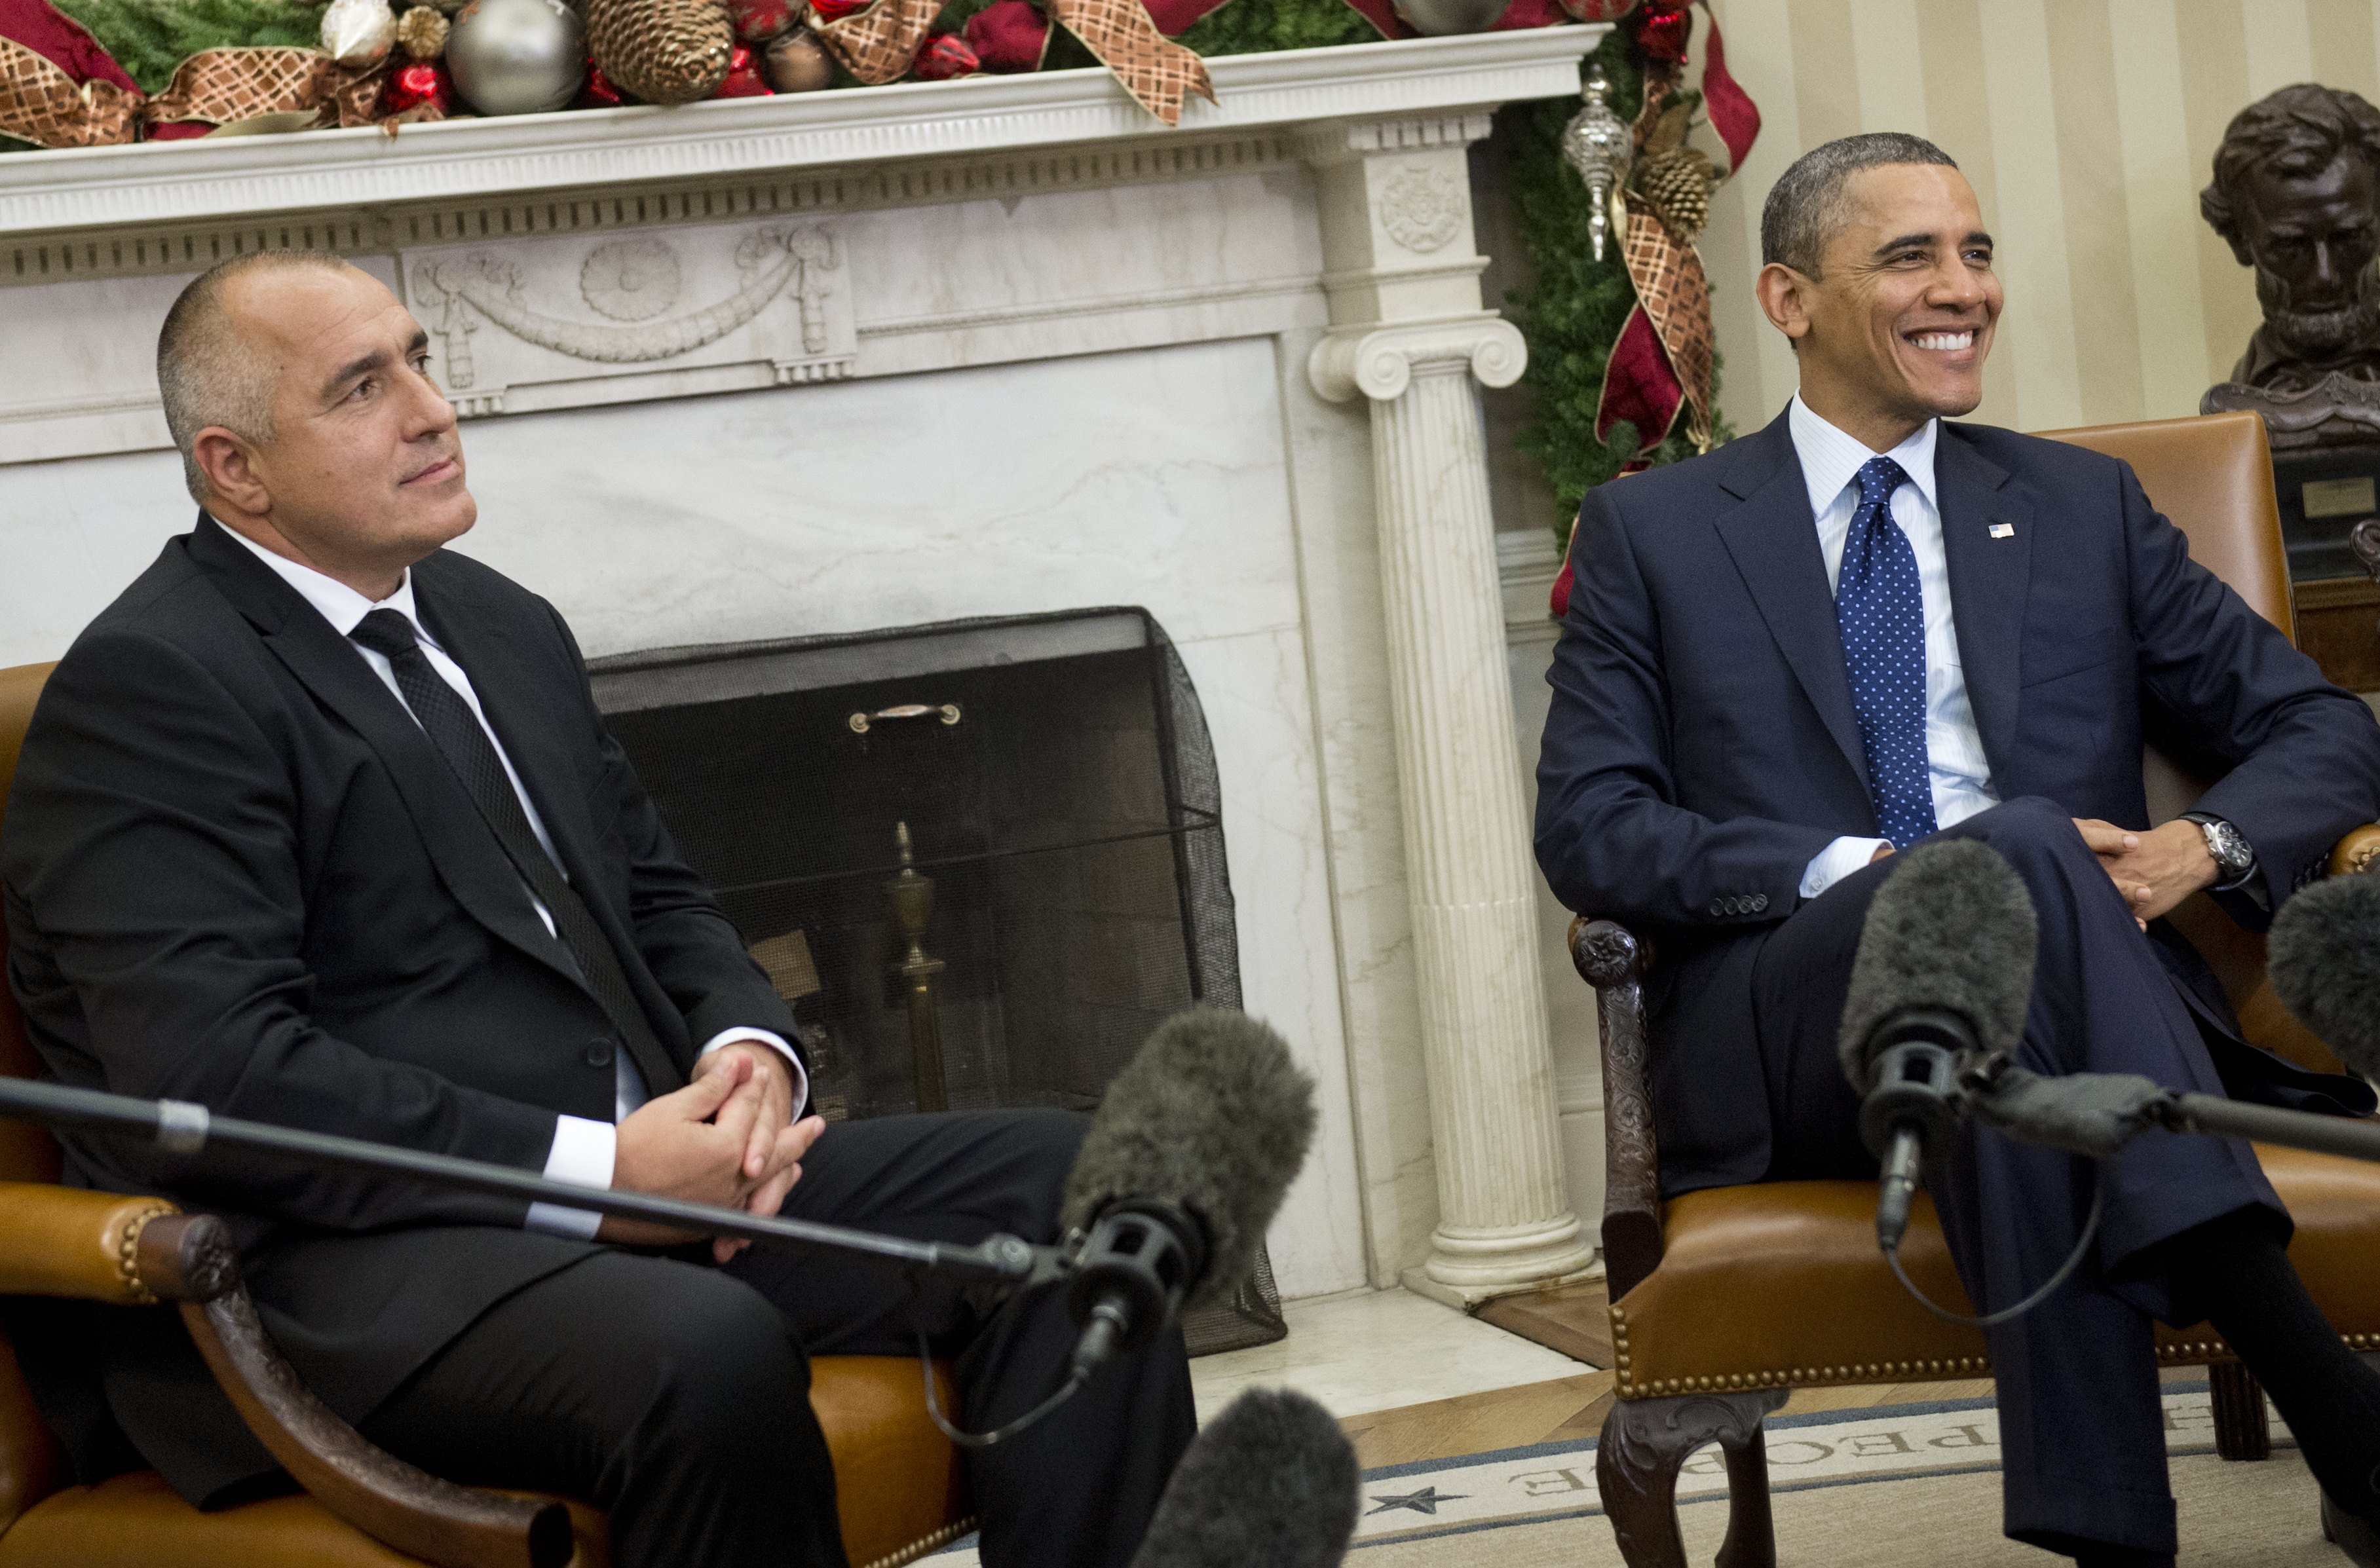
x: 180, y: 1127
x: 2097, y: 1113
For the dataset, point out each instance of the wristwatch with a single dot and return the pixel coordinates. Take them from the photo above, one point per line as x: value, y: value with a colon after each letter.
x: 2234, y: 857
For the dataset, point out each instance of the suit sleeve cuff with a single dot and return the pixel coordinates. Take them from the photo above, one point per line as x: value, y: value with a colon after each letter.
x: 1838, y: 860
x: 582, y: 1155
x: 777, y: 1043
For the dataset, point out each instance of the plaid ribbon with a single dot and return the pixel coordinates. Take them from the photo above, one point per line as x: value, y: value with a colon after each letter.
x: 1157, y: 71
x: 1675, y: 297
x: 218, y: 85
x: 880, y: 43
x: 41, y: 104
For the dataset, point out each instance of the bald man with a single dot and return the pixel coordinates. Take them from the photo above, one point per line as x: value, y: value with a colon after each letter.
x: 318, y: 824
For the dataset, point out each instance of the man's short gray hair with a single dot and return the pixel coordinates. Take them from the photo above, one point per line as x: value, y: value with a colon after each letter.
x: 1805, y: 206
x: 206, y: 373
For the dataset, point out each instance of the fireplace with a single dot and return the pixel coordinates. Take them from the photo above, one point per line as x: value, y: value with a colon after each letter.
x: 983, y: 859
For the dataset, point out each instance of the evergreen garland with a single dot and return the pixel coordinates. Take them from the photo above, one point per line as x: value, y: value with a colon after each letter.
x: 1571, y: 311
x: 150, y: 38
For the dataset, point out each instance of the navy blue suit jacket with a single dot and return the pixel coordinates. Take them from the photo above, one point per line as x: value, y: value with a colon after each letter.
x: 1702, y: 745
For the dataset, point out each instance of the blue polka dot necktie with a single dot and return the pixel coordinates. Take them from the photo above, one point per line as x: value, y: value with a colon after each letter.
x: 1882, y: 613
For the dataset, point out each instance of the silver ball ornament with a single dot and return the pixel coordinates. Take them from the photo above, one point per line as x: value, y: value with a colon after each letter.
x: 516, y: 57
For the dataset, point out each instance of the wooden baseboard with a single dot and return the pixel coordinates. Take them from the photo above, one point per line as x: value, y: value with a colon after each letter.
x: 2338, y: 625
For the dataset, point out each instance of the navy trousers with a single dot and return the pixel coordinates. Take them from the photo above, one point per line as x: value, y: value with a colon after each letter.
x: 2082, y: 1430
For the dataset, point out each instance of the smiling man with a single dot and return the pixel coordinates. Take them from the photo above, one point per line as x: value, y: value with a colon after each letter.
x: 1866, y: 626
x: 317, y: 825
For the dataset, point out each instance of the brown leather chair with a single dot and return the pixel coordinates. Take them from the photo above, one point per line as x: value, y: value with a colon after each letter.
x: 898, y: 1481
x: 1724, y: 1300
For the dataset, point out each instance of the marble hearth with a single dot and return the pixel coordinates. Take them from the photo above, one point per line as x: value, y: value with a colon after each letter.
x: 768, y: 369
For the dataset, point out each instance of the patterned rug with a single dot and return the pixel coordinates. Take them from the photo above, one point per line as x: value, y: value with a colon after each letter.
x: 1928, y: 1492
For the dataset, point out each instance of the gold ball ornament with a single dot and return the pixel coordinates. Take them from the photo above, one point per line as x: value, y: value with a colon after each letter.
x: 421, y: 32
x: 798, y: 62
x: 662, y: 51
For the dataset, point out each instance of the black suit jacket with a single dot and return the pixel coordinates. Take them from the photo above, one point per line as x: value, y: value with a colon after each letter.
x: 1702, y: 745
x: 237, y: 873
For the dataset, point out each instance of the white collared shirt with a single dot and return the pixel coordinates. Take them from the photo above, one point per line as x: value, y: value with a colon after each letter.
x: 584, y: 1151
x: 1961, y: 776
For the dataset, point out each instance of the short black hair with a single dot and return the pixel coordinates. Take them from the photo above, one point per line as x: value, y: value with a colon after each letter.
x: 1805, y: 206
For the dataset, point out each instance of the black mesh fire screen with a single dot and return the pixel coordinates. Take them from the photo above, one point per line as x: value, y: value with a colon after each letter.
x: 983, y: 859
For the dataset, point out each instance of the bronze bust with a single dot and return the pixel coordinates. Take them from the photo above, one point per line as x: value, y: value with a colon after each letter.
x: 2296, y: 184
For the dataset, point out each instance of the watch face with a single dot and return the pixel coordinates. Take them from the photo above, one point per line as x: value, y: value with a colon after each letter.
x: 2228, y: 847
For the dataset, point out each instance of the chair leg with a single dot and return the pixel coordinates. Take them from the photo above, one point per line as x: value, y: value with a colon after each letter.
x: 1646, y: 1441
x: 2242, y: 1427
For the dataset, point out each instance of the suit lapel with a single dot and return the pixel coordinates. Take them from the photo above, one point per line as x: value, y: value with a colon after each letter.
x: 467, y: 856
x: 1989, y: 580
x: 1774, y: 541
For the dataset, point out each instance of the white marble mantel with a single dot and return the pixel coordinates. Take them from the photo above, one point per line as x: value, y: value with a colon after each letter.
x: 884, y: 357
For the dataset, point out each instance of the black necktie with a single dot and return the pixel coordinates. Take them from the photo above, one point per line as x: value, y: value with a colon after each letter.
x: 457, y: 734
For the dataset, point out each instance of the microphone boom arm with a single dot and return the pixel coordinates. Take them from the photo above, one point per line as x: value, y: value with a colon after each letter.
x: 2097, y: 1113
x: 181, y: 1127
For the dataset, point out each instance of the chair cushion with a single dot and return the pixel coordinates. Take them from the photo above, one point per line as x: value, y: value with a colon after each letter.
x: 898, y: 1485
x: 1829, y: 1311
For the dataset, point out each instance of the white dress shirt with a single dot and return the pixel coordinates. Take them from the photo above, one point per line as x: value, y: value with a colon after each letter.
x: 583, y: 1151
x: 1961, y: 776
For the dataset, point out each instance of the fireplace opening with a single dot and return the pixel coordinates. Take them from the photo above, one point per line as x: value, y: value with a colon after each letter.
x: 982, y: 859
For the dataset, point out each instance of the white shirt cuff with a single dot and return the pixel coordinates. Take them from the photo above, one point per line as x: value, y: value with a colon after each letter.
x: 582, y: 1155
x: 1838, y: 860
x: 793, y: 1061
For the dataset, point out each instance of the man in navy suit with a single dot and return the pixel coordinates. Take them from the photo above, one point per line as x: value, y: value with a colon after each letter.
x: 1863, y: 626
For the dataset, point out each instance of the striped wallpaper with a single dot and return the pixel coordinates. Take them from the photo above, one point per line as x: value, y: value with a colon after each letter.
x: 2088, y: 128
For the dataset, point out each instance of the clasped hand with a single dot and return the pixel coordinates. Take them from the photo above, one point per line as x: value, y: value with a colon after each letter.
x: 726, y: 1138
x: 2154, y: 870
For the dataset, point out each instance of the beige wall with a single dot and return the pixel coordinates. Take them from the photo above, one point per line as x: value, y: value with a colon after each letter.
x: 2088, y: 128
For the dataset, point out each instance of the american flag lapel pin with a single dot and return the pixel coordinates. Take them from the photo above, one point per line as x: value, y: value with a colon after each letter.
x: 2003, y: 531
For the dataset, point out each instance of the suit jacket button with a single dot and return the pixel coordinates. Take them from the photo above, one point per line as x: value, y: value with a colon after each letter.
x: 598, y: 1053
x: 1759, y: 902
x: 1717, y: 907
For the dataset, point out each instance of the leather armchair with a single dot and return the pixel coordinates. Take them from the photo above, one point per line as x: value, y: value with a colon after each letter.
x: 1724, y: 1300
x: 899, y: 1484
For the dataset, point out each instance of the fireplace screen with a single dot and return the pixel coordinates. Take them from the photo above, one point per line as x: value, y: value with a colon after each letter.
x: 982, y: 859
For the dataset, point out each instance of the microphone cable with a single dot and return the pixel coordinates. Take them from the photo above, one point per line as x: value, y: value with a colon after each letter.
x: 1073, y: 1385
x: 2011, y: 1314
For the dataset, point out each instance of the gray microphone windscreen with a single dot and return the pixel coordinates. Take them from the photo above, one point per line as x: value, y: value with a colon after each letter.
x: 2324, y: 952
x: 1211, y: 1114
x: 1269, y: 1483
x: 1951, y: 929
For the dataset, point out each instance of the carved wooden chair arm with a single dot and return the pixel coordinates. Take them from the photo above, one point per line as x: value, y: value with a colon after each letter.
x: 2357, y: 852
x: 1613, y: 959
x: 136, y: 1251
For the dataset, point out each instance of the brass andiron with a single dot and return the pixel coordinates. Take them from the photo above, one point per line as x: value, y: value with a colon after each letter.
x: 911, y: 899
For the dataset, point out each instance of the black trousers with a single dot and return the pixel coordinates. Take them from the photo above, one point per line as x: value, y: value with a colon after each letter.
x: 673, y: 1393
x: 2081, y: 1429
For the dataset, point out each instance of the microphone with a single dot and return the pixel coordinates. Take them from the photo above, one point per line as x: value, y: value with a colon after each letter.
x: 1944, y: 972
x: 2324, y: 954
x: 1186, y: 1164
x: 1269, y: 1483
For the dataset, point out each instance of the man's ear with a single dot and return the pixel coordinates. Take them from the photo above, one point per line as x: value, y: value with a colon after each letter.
x: 1784, y: 299
x: 229, y: 465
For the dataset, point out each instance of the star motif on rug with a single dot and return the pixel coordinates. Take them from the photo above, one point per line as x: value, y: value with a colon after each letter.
x: 1422, y: 1502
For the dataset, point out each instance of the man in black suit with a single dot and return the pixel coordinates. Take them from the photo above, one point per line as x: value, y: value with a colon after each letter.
x: 318, y: 824
x: 1863, y: 626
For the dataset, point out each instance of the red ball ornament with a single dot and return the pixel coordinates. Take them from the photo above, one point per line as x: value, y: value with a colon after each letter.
x: 1008, y: 35
x: 417, y: 83
x: 945, y: 55
x: 836, y: 10
x: 599, y: 93
x: 743, y: 77
x: 1661, y: 29
x: 757, y: 21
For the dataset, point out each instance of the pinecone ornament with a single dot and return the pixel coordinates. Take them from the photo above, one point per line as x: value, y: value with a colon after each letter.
x: 1677, y: 185
x: 663, y: 50
x: 421, y: 32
